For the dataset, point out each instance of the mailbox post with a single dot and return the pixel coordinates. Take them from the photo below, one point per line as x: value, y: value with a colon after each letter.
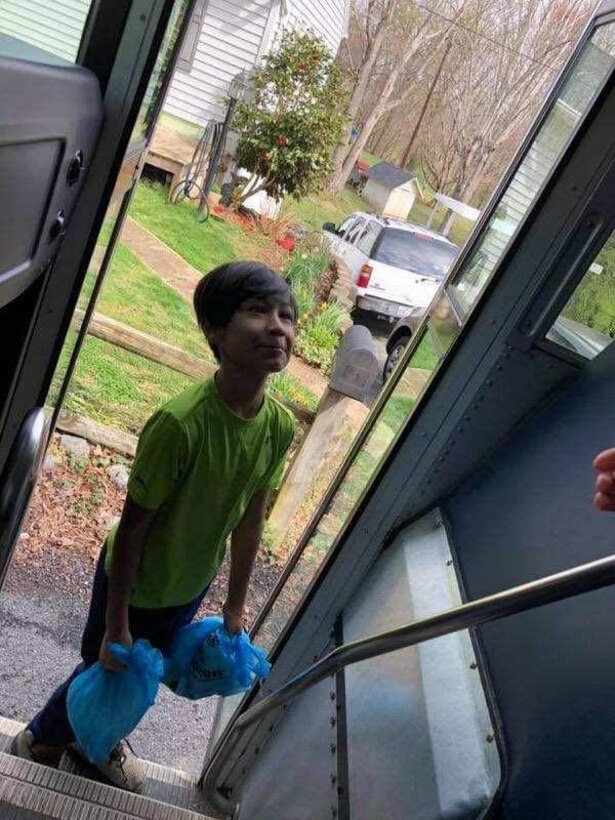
x: 354, y: 383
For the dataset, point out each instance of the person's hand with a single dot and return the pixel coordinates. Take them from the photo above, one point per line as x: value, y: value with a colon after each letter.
x: 105, y: 657
x: 604, y: 499
x: 233, y: 621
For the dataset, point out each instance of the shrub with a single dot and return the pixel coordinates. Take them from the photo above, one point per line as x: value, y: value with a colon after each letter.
x: 291, y: 125
x: 318, y: 336
x: 319, y: 321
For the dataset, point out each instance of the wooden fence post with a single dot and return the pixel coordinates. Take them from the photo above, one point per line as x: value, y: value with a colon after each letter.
x: 342, y: 410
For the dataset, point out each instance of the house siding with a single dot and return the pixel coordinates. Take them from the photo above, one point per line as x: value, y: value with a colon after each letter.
x: 326, y: 18
x: 234, y: 36
x: 376, y: 195
x: 230, y: 40
x: 56, y: 27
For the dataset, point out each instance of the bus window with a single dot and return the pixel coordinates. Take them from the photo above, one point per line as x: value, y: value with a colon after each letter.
x: 89, y: 284
x: 54, y: 27
x: 574, y: 100
x: 586, y: 325
x: 153, y: 99
x: 360, y: 471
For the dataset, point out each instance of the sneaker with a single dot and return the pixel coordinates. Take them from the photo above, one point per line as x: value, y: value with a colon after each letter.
x: 123, y: 768
x: 25, y: 746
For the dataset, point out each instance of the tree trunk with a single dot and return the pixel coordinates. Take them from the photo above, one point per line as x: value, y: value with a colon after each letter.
x: 340, y: 178
x: 358, y: 95
x: 407, y: 155
x: 379, y: 140
x: 464, y: 193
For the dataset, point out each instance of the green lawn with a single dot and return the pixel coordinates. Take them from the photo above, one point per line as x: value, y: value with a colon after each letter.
x: 118, y: 388
x: 370, y: 159
x: 204, y: 245
x: 135, y: 296
x: 121, y: 389
x: 315, y: 209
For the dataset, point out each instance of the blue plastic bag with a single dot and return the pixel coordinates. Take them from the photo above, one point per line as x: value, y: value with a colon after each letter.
x: 104, y: 706
x: 206, y: 660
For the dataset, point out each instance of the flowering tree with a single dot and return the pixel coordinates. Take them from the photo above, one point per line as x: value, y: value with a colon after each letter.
x: 288, y: 130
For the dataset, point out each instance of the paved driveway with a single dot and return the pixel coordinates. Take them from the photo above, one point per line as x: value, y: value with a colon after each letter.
x: 42, y: 613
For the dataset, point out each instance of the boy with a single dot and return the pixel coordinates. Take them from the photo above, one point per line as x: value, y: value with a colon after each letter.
x: 204, y: 467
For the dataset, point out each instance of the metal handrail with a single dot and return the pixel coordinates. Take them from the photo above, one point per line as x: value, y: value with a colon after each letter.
x: 557, y: 587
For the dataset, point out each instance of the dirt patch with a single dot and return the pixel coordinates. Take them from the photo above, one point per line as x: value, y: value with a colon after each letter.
x: 71, y: 512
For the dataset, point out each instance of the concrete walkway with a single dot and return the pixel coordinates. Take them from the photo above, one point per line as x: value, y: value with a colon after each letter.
x: 162, y: 260
x: 182, y: 277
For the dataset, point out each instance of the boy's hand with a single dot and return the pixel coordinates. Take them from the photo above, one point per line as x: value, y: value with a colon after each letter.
x: 105, y: 657
x: 604, y: 499
x: 233, y: 621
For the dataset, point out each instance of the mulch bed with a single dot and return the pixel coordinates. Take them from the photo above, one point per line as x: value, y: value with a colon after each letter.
x: 72, y: 509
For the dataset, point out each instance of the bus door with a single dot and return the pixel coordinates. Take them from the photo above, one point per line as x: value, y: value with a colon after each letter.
x: 80, y: 96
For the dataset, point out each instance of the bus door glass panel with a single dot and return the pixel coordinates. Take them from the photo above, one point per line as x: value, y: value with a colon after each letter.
x: 586, y: 325
x: 386, y: 427
x: 102, y: 257
x: 572, y: 104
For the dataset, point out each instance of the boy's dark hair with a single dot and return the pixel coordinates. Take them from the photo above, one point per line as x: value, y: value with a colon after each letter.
x: 220, y: 292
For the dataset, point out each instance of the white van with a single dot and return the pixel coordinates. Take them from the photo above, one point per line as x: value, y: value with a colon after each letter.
x: 395, y: 265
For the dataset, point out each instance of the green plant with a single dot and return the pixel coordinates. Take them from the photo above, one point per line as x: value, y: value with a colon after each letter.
x: 287, y: 385
x: 290, y: 127
x: 76, y: 462
x: 307, y: 264
x: 268, y: 545
x: 318, y: 335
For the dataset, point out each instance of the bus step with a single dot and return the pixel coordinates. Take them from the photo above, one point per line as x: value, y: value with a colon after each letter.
x: 30, y: 790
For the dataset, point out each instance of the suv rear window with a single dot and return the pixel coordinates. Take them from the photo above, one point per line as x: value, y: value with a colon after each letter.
x: 415, y: 252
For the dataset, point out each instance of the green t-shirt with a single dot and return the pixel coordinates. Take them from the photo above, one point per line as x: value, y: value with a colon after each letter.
x: 199, y: 465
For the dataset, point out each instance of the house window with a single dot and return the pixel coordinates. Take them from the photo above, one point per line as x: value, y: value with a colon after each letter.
x: 191, y: 38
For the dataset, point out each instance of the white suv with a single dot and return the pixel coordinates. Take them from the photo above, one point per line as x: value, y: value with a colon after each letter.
x: 395, y: 265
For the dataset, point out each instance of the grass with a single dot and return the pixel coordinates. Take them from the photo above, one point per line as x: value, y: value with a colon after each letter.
x: 118, y: 388
x: 203, y: 245
x: 315, y: 209
x: 370, y: 159
x: 424, y: 356
x: 132, y: 294
x: 121, y: 389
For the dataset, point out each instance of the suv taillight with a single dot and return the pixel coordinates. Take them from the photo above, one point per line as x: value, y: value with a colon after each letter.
x: 364, y: 276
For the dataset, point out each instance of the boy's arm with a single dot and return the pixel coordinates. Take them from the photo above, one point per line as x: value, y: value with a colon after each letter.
x: 245, y: 541
x: 127, y: 552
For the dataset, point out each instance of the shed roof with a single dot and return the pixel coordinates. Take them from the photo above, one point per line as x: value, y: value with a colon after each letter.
x: 390, y: 175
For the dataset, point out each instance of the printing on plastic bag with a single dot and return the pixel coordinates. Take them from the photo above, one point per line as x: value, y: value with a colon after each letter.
x: 206, y: 660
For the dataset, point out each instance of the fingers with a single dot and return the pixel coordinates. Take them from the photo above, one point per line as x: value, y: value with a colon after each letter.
x: 605, y: 483
x: 109, y: 659
x: 605, y: 503
x: 604, y: 499
x: 605, y: 461
x: 113, y: 666
x: 110, y: 663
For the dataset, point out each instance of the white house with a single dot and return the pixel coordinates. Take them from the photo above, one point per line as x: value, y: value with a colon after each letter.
x: 227, y: 36
x: 223, y: 38
x: 390, y: 190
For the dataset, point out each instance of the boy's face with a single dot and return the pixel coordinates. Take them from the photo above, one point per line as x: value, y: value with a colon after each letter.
x: 259, y: 337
